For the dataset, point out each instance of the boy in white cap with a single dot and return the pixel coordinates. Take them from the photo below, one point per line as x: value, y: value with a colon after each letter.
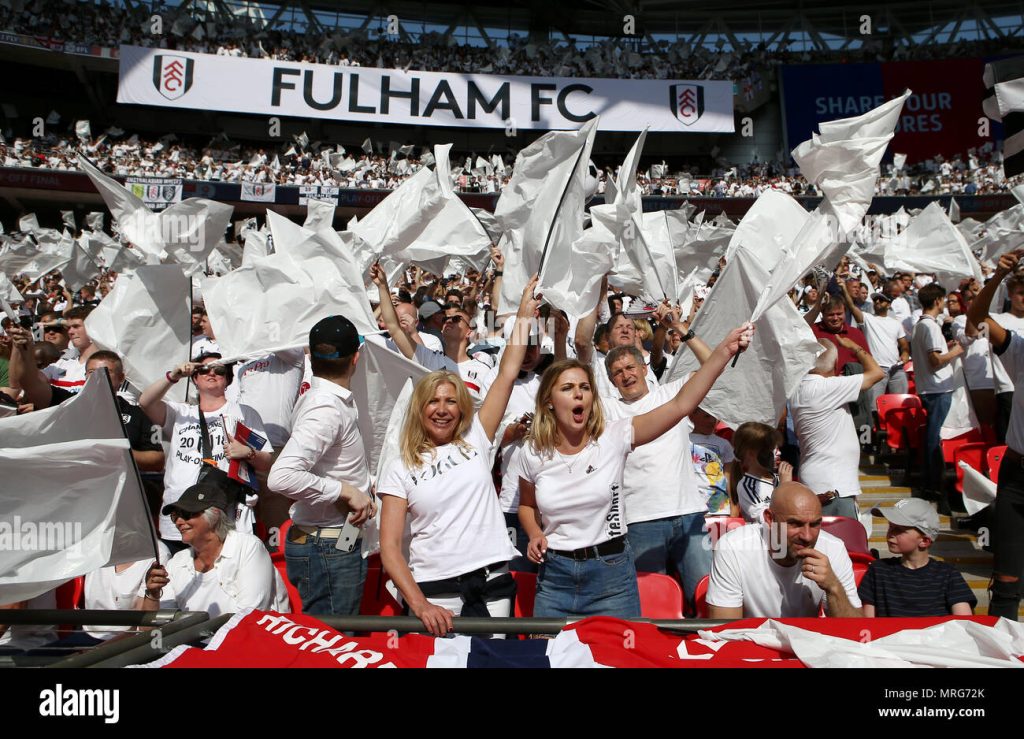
x: 913, y: 584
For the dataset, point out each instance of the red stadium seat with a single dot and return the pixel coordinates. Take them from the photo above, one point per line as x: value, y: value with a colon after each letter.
x: 700, y: 597
x: 851, y: 532
x: 294, y: 599
x: 911, y: 385
x: 976, y: 455
x: 718, y: 526
x: 901, y: 418
x: 71, y: 595
x: 282, y: 535
x: 660, y: 596
x: 724, y: 431
x: 377, y: 600
x: 526, y: 591
x: 949, y: 446
x: 994, y: 459
x: 859, y: 570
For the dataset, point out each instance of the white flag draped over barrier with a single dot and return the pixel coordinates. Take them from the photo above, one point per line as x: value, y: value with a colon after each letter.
x: 843, y: 159
x: 186, y: 232
x: 401, y: 217
x: 781, y: 353
x: 271, y: 303
x: 77, y: 504
x: 146, y: 319
x: 931, y: 243
x: 535, y: 208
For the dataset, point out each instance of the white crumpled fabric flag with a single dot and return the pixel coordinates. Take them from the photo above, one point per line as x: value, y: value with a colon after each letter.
x: 8, y: 291
x: 27, y: 259
x: 146, y: 319
x: 271, y: 303
x: 75, y: 480
x: 80, y: 268
x: 1004, y: 232
x: 454, y: 232
x: 401, y: 217
x: 931, y: 243
x: 979, y: 491
x: 950, y: 644
x: 781, y: 353
x: 773, y: 222
x: 535, y: 209
x: 843, y: 159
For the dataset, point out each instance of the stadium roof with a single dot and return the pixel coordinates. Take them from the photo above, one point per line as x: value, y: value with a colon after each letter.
x: 921, y: 22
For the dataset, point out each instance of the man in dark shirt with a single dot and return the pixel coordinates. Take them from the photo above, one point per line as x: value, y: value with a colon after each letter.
x: 912, y: 583
x: 833, y: 323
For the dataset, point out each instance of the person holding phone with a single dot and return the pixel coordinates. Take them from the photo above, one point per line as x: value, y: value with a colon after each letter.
x: 323, y: 469
x: 460, y: 549
x: 183, y: 424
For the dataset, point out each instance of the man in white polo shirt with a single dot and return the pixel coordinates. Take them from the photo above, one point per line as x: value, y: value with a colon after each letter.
x: 785, y: 568
x: 829, y: 445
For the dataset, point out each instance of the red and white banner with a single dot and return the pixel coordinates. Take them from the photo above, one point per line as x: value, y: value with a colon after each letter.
x: 264, y: 639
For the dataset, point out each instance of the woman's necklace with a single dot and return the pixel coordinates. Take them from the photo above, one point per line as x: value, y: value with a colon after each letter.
x: 574, y: 457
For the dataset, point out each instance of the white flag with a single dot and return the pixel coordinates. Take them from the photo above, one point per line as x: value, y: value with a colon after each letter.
x: 767, y: 373
x: 79, y: 505
x: 8, y: 291
x: 80, y: 269
x: 83, y: 130
x: 145, y: 318
x: 931, y: 243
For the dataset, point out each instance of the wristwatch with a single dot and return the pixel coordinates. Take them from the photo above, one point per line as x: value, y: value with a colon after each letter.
x: 687, y: 336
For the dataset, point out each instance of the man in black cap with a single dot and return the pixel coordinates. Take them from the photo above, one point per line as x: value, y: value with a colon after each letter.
x: 323, y: 469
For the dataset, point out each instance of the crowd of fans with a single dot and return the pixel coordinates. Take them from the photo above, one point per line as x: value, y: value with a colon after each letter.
x: 978, y: 171
x: 560, y: 399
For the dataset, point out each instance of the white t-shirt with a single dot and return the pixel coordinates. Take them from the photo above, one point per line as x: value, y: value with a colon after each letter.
x: 70, y: 372
x: 899, y: 309
x: 242, y: 577
x: 579, y: 496
x: 473, y: 373
x: 204, y: 345
x: 883, y: 334
x: 1012, y: 360
x: 455, y: 521
x: 181, y: 471
x: 270, y: 386
x: 1004, y: 383
x: 926, y: 339
x: 659, y: 480
x: 976, y: 359
x: 720, y: 446
x: 754, y: 493
x: 744, y: 574
x: 431, y: 342
x: 829, y: 446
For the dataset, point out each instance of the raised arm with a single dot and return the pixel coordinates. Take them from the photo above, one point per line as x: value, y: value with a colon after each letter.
x: 872, y: 372
x: 152, y: 399
x: 22, y: 371
x: 978, y: 312
x: 812, y: 315
x: 389, y: 314
x: 584, y: 339
x: 493, y: 408
x: 653, y: 424
x: 858, y: 315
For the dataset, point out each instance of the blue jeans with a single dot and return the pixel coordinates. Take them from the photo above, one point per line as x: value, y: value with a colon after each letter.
x: 936, y: 405
x: 329, y: 581
x: 604, y: 586
x: 679, y: 540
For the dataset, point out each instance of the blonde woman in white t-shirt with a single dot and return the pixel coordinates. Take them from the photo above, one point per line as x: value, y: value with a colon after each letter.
x: 460, y: 549
x: 571, y: 485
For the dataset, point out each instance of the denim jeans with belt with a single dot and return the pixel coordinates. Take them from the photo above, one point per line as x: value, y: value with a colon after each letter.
x: 328, y: 580
x: 677, y: 539
x: 602, y: 586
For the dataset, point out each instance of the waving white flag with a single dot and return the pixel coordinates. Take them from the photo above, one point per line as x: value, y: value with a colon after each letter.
x: 931, y: 243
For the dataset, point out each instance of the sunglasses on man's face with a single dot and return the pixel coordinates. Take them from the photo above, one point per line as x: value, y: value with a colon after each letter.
x: 218, y: 369
x: 185, y: 515
x: 454, y: 319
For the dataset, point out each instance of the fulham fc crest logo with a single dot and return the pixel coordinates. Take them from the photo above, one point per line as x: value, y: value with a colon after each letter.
x: 172, y: 75
x: 687, y: 102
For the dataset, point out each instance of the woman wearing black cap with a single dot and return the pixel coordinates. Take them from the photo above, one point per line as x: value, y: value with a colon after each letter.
x: 459, y: 553
x: 221, y: 571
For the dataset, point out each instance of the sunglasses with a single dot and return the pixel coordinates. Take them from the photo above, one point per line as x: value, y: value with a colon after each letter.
x: 455, y: 319
x: 177, y: 513
x: 218, y: 369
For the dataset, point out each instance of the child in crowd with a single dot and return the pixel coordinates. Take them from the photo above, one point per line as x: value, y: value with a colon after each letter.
x: 711, y: 454
x: 913, y: 584
x: 754, y: 477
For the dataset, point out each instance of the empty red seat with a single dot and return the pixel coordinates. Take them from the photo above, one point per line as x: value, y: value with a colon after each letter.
x: 526, y: 591
x: 660, y: 596
x: 901, y: 418
x: 974, y: 454
x: 994, y: 458
x: 859, y: 570
x: 850, y: 530
x: 949, y: 446
x: 700, y: 597
x: 377, y: 599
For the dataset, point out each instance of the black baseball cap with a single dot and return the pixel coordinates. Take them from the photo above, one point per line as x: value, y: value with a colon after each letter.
x: 337, y: 332
x: 881, y: 296
x: 198, y: 498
